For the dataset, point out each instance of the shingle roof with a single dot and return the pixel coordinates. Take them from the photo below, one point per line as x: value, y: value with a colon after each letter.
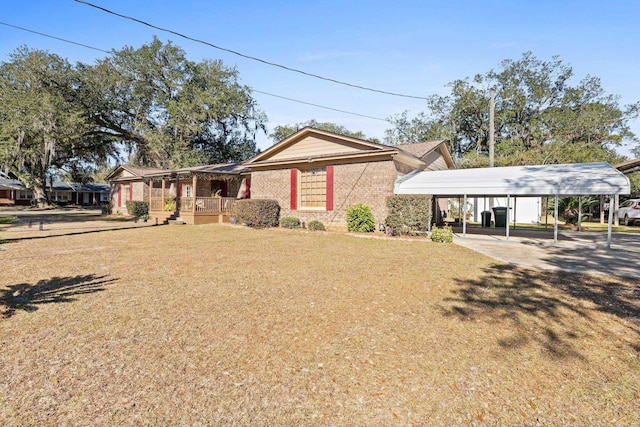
x: 420, y: 149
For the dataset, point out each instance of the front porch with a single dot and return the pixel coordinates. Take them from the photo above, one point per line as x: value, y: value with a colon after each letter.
x: 195, y: 195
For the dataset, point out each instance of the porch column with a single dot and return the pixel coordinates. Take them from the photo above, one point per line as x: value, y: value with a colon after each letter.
x: 162, y: 195
x: 150, y: 190
x: 195, y: 192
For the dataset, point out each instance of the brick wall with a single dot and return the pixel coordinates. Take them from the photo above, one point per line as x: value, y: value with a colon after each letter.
x: 369, y: 183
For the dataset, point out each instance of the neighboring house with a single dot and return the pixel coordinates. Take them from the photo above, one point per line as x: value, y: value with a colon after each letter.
x: 127, y: 184
x: 13, y: 192
x: 9, y: 189
x: 318, y: 175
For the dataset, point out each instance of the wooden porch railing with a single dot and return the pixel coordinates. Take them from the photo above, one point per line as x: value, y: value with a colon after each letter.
x: 202, y: 204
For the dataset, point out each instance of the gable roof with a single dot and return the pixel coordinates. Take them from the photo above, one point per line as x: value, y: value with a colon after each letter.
x: 573, y: 179
x: 310, y: 145
x: 135, y: 171
x: 423, y: 149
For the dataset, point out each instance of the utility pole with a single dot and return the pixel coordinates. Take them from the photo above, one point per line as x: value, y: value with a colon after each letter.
x: 492, y: 110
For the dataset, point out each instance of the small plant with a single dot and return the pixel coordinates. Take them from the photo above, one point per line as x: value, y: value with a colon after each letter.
x: 360, y: 219
x: 8, y: 219
x: 106, y: 208
x: 442, y: 234
x: 169, y: 204
x: 289, y: 222
x: 315, y: 225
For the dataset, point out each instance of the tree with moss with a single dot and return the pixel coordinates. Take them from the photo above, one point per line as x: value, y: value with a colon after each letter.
x: 283, y: 131
x: 541, y: 116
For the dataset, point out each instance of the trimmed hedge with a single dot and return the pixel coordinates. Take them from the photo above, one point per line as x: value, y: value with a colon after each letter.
x: 408, y: 214
x: 257, y: 213
x: 315, y: 225
x: 360, y: 219
x: 137, y: 209
x: 289, y: 222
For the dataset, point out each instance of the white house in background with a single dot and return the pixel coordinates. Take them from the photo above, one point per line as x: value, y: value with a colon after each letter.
x: 524, y: 210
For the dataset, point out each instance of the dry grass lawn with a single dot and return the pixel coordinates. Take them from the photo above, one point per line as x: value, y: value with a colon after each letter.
x: 218, y: 325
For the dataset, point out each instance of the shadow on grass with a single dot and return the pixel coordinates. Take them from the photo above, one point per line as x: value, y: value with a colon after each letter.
x: 27, y: 297
x: 550, y: 309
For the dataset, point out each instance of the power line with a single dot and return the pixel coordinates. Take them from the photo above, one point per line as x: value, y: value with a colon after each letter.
x: 319, y: 106
x: 253, y: 58
x: 54, y: 37
x: 252, y: 89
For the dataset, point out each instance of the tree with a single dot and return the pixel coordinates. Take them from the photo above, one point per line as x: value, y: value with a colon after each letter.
x: 169, y: 111
x: 283, y: 131
x: 42, y: 127
x: 540, y: 117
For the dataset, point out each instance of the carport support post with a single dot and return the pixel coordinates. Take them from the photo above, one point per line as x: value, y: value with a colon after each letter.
x: 464, y: 217
x: 555, y: 220
x: 507, y: 215
x: 579, y: 213
x: 610, y: 222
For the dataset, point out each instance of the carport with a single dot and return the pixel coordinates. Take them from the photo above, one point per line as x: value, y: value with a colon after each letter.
x: 575, y: 179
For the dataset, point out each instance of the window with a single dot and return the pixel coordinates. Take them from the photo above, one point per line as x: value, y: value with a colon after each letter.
x: 188, y: 191
x: 24, y: 194
x: 104, y: 197
x: 313, y: 188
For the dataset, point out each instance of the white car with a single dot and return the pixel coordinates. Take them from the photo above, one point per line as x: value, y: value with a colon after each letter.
x: 629, y: 212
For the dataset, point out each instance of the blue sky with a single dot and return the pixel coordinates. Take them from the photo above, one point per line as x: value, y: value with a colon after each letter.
x: 412, y: 47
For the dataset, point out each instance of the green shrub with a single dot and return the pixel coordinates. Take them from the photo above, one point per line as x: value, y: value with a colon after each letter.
x: 257, y: 213
x: 408, y: 214
x: 138, y: 209
x: 106, y: 208
x: 360, y: 218
x: 442, y: 235
x: 289, y: 222
x: 169, y: 204
x: 8, y: 219
x: 315, y: 225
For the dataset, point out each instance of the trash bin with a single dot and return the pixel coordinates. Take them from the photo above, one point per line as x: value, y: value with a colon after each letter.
x: 500, y: 214
x: 486, y: 218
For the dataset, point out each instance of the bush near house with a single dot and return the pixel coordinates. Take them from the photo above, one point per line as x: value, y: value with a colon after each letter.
x: 289, y: 222
x: 442, y: 234
x: 138, y: 209
x: 360, y: 219
x: 408, y: 214
x: 257, y: 213
x: 315, y: 225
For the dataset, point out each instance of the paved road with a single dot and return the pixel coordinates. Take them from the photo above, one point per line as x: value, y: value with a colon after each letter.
x: 575, y: 251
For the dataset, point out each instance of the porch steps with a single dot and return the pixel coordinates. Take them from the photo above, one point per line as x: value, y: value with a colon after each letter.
x: 175, y: 222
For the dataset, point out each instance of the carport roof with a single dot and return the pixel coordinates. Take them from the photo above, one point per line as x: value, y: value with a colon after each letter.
x: 573, y: 179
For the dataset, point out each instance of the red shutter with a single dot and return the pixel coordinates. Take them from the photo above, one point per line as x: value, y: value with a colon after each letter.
x: 179, y: 189
x: 131, y: 191
x: 224, y: 188
x: 119, y: 195
x: 294, y: 189
x: 247, y: 188
x: 329, y: 188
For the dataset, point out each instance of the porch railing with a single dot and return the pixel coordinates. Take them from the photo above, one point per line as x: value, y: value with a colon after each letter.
x: 202, y: 204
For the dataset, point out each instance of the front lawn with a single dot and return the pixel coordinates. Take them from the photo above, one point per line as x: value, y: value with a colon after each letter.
x: 219, y: 325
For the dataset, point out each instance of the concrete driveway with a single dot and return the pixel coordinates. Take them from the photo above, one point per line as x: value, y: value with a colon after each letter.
x: 584, y: 252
